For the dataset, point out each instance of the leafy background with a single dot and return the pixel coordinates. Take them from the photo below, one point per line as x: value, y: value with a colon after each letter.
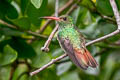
x: 20, y: 51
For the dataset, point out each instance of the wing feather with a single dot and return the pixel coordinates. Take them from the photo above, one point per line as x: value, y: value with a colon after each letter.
x: 68, y: 48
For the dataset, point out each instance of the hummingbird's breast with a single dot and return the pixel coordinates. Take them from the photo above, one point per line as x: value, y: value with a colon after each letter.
x: 71, y: 34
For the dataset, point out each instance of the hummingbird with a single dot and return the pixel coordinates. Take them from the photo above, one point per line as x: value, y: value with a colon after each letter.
x: 72, y: 42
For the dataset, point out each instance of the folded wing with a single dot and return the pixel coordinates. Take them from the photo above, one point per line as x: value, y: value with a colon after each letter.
x: 80, y: 57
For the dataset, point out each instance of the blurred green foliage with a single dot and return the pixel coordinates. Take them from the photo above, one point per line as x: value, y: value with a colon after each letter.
x: 20, y: 52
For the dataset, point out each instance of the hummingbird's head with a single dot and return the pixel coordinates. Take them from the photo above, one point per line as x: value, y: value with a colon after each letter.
x: 63, y: 21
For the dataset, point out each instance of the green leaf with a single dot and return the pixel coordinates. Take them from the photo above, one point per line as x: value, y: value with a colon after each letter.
x: 23, y: 23
x: 41, y: 58
x: 20, y: 70
x: 34, y: 14
x: 117, y: 75
x: 70, y: 76
x: 88, y: 4
x: 36, y: 3
x: 118, y: 4
x: 8, y: 1
x: 8, y: 10
x: 48, y: 74
x: 33, y: 77
x: 63, y: 67
x: 57, y: 52
x: 104, y: 7
x: 9, y: 55
x: 5, y: 72
x: 23, y: 5
x: 24, y: 49
x: 11, y: 12
x: 103, y: 27
x: 84, y: 18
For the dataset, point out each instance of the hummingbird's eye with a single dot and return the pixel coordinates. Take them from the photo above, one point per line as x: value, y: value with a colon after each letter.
x: 64, y: 18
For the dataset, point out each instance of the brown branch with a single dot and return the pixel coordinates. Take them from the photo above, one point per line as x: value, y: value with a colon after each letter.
x: 9, y: 25
x: 116, y: 13
x: 50, y: 63
x: 47, y: 43
x: 56, y: 8
x: 71, y: 9
x: 36, y: 34
x: 64, y: 55
x: 16, y: 27
x: 102, y: 38
x: 68, y: 4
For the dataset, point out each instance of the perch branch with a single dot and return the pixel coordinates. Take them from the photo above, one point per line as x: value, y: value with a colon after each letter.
x: 50, y: 63
x: 116, y: 13
x: 102, y: 38
x: 64, y: 55
x: 47, y: 43
x: 117, y: 16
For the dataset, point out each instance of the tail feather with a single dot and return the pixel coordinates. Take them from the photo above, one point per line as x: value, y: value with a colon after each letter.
x: 92, y: 61
x: 84, y: 58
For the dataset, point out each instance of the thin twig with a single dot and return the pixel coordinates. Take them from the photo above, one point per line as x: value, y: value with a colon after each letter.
x: 17, y: 28
x: 56, y: 9
x: 68, y: 4
x: 71, y: 9
x: 47, y: 43
x: 9, y: 25
x: 116, y: 13
x: 36, y: 34
x: 50, y: 63
x: 64, y: 55
x: 102, y: 38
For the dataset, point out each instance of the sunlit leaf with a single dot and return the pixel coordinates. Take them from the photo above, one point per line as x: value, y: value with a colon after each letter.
x: 8, y: 56
x: 36, y: 3
x: 5, y: 72
x: 20, y: 70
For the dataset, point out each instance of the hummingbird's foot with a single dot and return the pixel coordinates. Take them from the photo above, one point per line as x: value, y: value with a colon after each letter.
x: 45, y: 49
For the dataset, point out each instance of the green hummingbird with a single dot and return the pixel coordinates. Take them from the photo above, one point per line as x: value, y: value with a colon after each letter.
x: 73, y: 42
